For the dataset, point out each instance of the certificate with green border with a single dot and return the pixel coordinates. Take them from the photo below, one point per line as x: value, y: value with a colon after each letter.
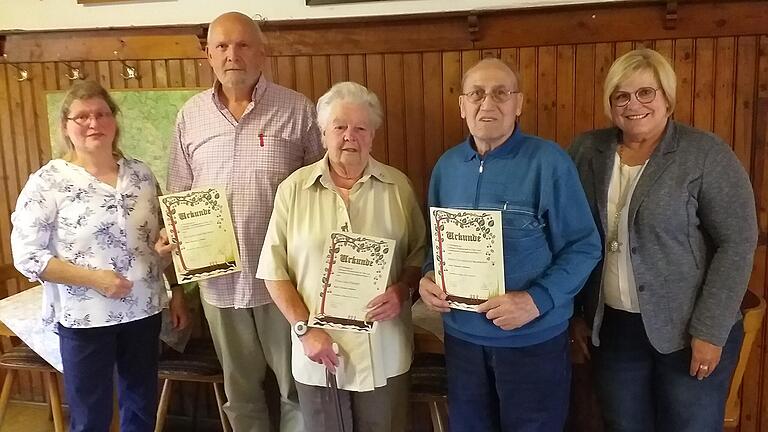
x: 199, y: 222
x: 468, y: 251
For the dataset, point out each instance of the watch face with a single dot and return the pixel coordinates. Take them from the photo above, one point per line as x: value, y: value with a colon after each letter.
x: 300, y: 328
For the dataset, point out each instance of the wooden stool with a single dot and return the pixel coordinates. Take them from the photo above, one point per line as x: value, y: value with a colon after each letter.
x: 23, y: 358
x: 198, y: 363
x: 429, y: 385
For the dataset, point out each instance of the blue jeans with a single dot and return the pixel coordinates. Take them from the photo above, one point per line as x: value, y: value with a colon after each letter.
x: 643, y: 390
x: 90, y: 356
x: 523, y: 389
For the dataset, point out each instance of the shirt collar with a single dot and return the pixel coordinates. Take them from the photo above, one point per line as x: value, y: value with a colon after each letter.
x: 507, y: 148
x: 321, y: 171
x: 258, y: 91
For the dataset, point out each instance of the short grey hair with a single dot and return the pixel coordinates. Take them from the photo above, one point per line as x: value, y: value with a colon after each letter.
x: 349, y: 92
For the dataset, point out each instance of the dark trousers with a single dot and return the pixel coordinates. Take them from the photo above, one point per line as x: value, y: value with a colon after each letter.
x: 643, y: 390
x: 522, y: 389
x: 90, y: 355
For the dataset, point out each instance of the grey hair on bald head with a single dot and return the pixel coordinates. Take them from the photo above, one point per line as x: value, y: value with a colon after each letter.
x: 349, y: 92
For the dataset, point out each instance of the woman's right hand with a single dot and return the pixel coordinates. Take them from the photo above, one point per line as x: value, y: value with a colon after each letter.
x: 112, y: 284
x: 318, y: 346
x: 433, y: 296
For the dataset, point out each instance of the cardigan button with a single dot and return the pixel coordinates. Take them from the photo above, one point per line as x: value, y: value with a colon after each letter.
x: 641, y: 288
x: 634, y: 250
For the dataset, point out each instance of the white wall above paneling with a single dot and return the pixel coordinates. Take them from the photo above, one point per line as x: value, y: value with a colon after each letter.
x: 67, y: 14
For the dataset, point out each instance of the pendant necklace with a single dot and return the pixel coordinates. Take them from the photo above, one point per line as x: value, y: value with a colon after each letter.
x: 615, y: 245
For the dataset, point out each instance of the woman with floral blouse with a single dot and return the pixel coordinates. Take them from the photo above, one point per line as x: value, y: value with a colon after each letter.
x: 85, y: 226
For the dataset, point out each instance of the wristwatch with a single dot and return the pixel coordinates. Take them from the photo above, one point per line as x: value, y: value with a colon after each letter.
x: 300, y: 328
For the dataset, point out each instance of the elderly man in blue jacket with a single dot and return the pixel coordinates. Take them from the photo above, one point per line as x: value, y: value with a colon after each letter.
x: 508, y: 364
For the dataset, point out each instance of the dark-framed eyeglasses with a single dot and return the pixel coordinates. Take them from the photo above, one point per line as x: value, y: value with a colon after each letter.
x: 498, y: 95
x: 83, y: 119
x: 644, y: 95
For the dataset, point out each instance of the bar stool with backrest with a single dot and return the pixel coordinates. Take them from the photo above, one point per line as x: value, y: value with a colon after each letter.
x: 22, y: 358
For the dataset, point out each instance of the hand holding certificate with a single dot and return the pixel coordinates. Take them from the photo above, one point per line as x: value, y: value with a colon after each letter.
x: 198, y: 221
x: 356, y: 271
x: 468, y: 254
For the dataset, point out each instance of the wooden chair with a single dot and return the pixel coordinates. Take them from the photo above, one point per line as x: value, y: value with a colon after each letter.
x: 428, y: 379
x: 199, y: 364
x: 753, y: 309
x: 22, y: 358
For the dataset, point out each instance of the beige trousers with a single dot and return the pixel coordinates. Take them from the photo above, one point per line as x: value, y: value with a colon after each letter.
x: 247, y: 341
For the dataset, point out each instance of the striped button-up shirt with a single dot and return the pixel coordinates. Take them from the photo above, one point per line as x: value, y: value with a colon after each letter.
x: 248, y: 158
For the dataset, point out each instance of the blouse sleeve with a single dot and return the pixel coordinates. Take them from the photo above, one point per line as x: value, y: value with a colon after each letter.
x: 33, y: 224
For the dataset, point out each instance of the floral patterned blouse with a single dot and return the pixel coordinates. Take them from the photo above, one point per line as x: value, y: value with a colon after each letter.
x: 65, y: 212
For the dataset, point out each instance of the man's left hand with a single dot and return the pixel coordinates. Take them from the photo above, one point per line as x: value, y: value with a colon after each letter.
x: 387, y: 306
x: 511, y: 310
x: 704, y: 358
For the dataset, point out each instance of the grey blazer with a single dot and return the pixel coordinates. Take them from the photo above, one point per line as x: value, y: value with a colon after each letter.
x: 692, y: 234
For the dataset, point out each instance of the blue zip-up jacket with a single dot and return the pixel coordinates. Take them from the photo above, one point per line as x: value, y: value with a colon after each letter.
x: 551, y: 243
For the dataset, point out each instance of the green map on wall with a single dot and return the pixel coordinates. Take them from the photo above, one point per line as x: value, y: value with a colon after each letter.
x: 146, y: 120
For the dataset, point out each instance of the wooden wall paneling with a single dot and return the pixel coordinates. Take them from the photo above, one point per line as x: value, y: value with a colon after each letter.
x: 205, y: 75
x: 584, y: 81
x: 547, y: 93
x: 269, y: 68
x: 565, y: 94
x: 160, y: 73
x: 356, y: 65
x: 746, y: 70
x: 742, y: 142
x: 116, y: 72
x: 339, y: 68
x: 432, y: 76
x: 666, y: 48
x: 528, y: 62
x: 8, y: 173
x: 146, y: 74
x: 725, y: 66
x: 603, y: 60
x: 452, y: 122
x: 703, y: 86
x: 623, y: 47
x: 374, y: 69
x: 286, y: 72
x: 413, y: 91
x: 759, y: 362
x: 90, y: 69
x: 20, y: 133
x: 105, y: 76
x: 175, y: 75
x: 395, y: 111
x: 510, y: 56
x: 39, y: 151
x: 189, y: 68
x: 321, y: 77
x: 468, y: 59
x: 304, y: 76
x: 683, y: 64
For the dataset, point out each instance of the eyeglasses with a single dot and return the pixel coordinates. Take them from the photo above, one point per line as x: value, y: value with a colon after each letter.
x: 644, y: 95
x: 498, y: 95
x: 84, y: 119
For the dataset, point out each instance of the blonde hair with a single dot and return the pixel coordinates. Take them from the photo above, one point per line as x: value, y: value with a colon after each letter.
x: 353, y: 93
x: 83, y: 90
x: 638, y: 60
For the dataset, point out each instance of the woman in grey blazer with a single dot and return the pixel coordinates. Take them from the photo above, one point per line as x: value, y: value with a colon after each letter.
x: 676, y: 213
